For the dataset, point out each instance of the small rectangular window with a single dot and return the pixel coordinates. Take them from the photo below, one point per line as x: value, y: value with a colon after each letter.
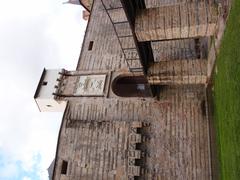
x: 64, y: 167
x: 90, y: 46
x: 44, y: 83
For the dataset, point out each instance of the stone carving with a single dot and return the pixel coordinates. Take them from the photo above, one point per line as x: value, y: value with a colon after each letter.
x: 90, y: 85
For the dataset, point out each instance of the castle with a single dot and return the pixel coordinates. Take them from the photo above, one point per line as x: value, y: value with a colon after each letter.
x: 136, y: 105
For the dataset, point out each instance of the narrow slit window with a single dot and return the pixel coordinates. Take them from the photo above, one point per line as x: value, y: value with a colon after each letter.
x: 44, y: 83
x: 90, y: 46
x: 64, y: 167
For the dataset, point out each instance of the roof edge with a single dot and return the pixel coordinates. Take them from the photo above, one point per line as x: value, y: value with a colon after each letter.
x: 83, y: 5
x: 39, y: 83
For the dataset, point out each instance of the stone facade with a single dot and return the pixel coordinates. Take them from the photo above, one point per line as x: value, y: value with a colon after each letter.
x: 162, y: 135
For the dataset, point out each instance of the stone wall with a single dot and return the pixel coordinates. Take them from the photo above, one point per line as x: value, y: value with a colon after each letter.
x: 165, y: 137
x: 180, y: 49
x: 172, y: 141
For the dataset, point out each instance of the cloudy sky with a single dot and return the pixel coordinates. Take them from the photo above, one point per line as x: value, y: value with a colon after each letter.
x: 33, y: 34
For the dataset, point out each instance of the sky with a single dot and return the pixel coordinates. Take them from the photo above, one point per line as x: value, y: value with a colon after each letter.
x: 33, y: 34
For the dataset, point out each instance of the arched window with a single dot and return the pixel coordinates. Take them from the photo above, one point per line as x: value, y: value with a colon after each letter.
x: 131, y: 86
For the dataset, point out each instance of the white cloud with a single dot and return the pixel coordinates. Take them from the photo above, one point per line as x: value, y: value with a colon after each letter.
x: 26, y: 178
x: 9, y: 170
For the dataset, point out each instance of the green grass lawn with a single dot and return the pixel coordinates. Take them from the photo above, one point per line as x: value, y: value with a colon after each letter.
x: 227, y: 97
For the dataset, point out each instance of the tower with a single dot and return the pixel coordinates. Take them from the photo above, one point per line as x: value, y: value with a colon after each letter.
x: 47, y: 86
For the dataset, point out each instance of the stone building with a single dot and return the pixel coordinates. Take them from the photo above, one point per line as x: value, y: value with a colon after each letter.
x: 136, y: 105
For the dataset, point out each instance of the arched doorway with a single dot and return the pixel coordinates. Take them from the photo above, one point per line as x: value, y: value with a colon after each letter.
x: 131, y: 86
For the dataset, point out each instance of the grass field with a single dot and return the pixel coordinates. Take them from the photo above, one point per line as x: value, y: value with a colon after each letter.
x: 227, y: 97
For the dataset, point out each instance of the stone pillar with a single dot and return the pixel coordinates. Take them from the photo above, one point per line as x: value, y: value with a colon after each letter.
x: 178, y: 72
x: 184, y: 20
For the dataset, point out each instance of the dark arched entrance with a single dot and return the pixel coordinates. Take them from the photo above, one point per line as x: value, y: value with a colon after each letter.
x: 131, y: 86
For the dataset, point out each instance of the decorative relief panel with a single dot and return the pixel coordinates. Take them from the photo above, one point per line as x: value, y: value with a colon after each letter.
x: 90, y: 85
